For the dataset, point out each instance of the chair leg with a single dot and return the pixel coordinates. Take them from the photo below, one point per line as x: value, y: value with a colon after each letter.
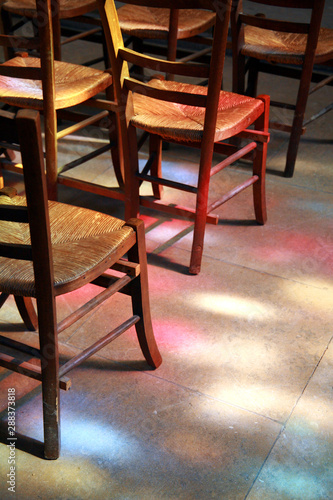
x: 172, y: 39
x: 252, y: 78
x: 132, y: 184
x: 238, y: 74
x: 138, y: 47
x: 50, y: 381
x: 293, y: 145
x: 259, y: 166
x: 27, y: 312
x: 6, y: 28
x: 201, y: 214
x: 302, y: 99
x: 51, y: 161
x: 116, y: 149
x: 140, y: 297
x: 155, y: 147
x: 115, y: 141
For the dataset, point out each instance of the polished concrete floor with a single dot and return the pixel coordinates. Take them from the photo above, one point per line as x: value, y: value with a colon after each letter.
x: 241, y: 407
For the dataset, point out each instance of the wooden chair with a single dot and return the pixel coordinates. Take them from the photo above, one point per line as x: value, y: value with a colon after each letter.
x: 48, y: 249
x: 187, y: 114
x: 148, y: 23
x: 15, y: 14
x: 277, y: 42
x: 53, y: 87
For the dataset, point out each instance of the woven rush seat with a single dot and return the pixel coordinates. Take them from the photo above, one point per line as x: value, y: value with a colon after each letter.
x: 74, y: 83
x: 147, y: 22
x: 68, y: 8
x: 178, y: 121
x: 77, y: 247
x: 274, y: 46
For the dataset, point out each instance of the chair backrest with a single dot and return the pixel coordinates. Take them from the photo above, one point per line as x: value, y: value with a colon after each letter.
x: 121, y: 56
x: 282, y: 19
x: 46, y: 21
x: 26, y: 130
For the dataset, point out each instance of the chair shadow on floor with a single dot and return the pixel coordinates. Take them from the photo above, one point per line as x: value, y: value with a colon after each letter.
x: 22, y: 442
x: 155, y: 257
x: 32, y: 445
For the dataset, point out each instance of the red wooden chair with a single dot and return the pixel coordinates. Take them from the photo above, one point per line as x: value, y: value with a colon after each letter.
x: 174, y: 111
x: 278, y: 43
x: 48, y: 249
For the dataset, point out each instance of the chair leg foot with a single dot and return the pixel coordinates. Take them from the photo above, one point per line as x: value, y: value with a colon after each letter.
x: 196, y: 258
x: 289, y: 170
x: 51, y: 422
x: 140, y: 298
x: 194, y: 269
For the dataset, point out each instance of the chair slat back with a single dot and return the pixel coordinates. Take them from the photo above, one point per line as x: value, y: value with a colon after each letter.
x: 120, y: 56
x: 294, y: 4
x: 178, y: 68
x: 35, y: 213
x: 278, y: 21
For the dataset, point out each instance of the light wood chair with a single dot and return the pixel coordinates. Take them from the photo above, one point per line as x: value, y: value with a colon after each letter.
x: 188, y: 114
x: 148, y: 23
x: 55, y: 88
x: 16, y: 13
x: 277, y: 42
x: 48, y: 249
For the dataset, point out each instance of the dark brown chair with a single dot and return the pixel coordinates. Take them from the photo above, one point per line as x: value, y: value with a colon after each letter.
x: 277, y: 42
x: 148, y: 23
x: 16, y: 13
x: 202, y: 117
x: 52, y: 87
x: 48, y: 249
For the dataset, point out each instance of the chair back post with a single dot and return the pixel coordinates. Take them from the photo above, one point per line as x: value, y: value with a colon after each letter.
x: 114, y: 42
x: 56, y: 29
x: 216, y: 69
x: 47, y: 17
x: 40, y: 253
x: 172, y: 34
x: 29, y: 131
x: 122, y: 96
